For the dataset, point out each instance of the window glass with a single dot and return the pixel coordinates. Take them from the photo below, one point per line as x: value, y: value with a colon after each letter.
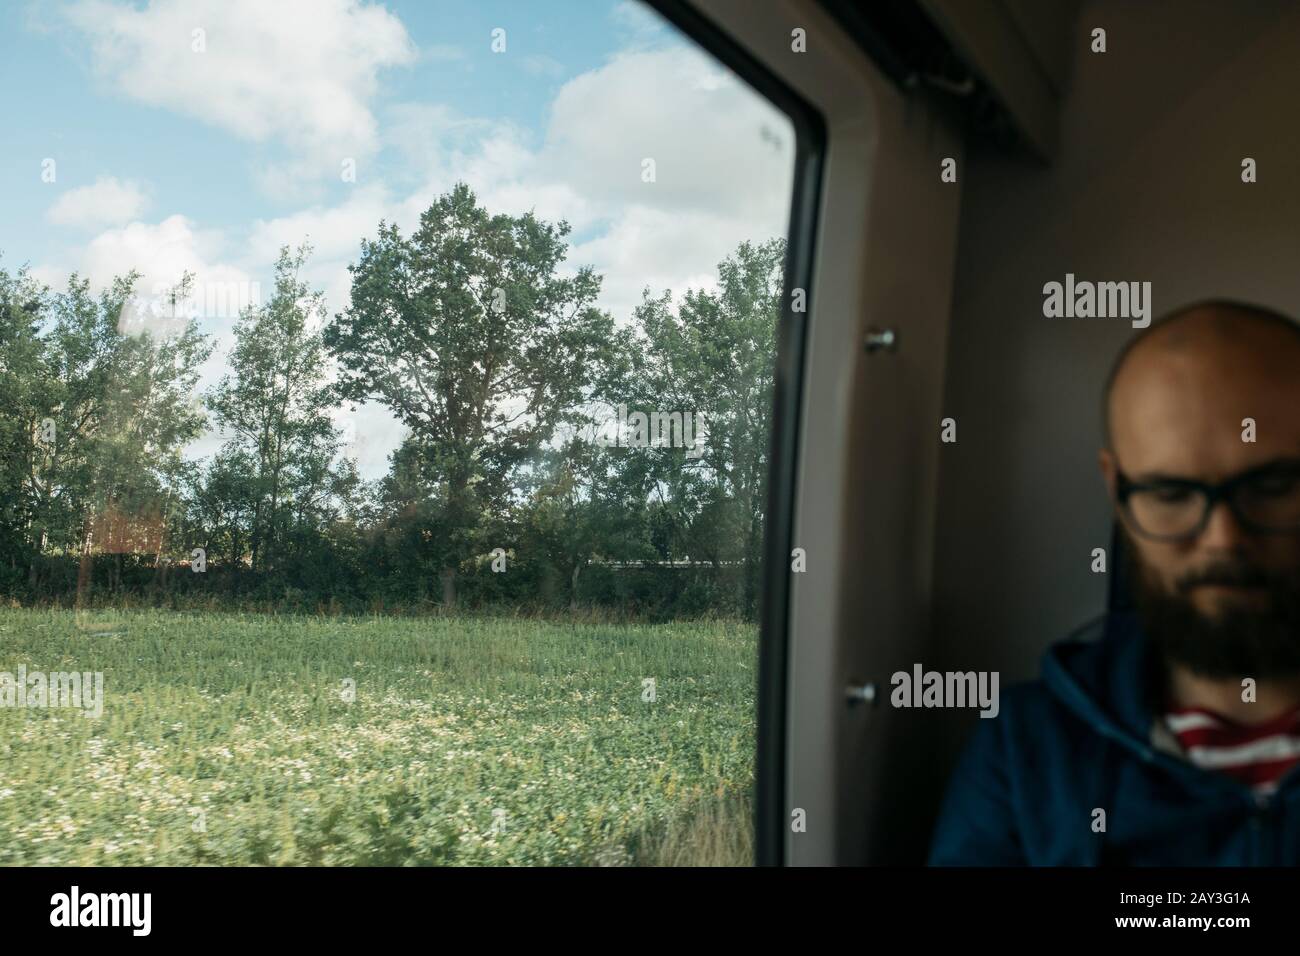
x: 385, y: 395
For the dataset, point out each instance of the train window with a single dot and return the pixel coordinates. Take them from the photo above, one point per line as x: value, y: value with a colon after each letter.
x: 386, y: 401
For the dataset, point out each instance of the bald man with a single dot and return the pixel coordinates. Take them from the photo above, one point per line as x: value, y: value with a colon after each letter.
x: 1168, y: 734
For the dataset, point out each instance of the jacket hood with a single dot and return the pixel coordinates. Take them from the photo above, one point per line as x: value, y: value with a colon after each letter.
x: 1105, y: 673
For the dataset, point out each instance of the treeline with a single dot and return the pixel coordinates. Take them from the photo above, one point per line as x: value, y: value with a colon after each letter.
x: 506, y: 489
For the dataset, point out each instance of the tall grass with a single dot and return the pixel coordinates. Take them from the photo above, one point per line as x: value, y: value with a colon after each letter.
x: 717, y: 831
x: 235, y: 738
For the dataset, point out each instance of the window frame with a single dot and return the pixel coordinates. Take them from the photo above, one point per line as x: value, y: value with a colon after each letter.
x: 772, y: 696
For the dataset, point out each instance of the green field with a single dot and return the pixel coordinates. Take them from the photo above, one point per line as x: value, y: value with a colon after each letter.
x: 228, y: 739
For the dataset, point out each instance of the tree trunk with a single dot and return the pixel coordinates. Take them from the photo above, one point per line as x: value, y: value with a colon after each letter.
x: 33, y: 570
x: 85, y: 570
x: 753, y: 563
x: 448, y: 577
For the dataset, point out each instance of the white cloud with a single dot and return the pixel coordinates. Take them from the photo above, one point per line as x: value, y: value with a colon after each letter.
x: 716, y: 145
x: 160, y: 252
x: 640, y: 26
x: 108, y: 202
x: 334, y: 231
x: 56, y: 277
x: 433, y: 138
x: 298, y: 71
x: 658, y: 250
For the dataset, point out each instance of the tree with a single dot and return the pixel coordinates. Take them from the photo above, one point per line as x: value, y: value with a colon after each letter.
x: 222, y: 505
x: 467, y: 334
x: 110, y: 416
x: 583, y: 502
x: 276, y: 403
x: 149, y: 415
x: 25, y: 383
x: 715, y: 355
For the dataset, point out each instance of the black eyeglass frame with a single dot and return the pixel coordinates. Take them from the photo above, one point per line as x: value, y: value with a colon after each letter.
x: 1224, y: 491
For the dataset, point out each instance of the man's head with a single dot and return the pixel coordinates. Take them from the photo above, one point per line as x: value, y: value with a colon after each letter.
x: 1223, y: 600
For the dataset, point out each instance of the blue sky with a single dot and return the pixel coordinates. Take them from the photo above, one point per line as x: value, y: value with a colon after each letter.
x: 175, y: 150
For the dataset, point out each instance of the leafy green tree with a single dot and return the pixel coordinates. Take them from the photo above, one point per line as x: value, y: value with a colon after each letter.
x: 275, y: 403
x: 466, y: 332
x: 715, y: 355
x: 25, y: 382
x: 581, y: 502
x: 222, y: 502
x: 151, y: 412
x: 112, y: 412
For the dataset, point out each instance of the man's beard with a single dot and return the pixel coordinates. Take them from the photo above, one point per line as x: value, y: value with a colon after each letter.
x: 1262, y: 642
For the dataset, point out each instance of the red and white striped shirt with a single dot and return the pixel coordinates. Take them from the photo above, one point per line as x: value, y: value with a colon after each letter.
x: 1258, y: 755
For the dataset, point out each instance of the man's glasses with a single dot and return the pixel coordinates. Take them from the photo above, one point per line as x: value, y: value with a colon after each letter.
x: 1265, y: 500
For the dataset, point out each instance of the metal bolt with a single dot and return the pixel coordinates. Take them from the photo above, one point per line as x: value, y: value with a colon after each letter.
x: 861, y: 693
x: 878, y: 339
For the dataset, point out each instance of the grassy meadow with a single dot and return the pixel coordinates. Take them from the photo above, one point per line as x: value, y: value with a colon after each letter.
x: 245, y: 739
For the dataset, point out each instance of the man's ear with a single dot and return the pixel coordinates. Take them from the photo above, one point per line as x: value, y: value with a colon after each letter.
x: 1109, y: 469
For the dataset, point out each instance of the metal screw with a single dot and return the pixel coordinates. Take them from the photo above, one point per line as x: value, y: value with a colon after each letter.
x: 861, y: 693
x: 878, y: 339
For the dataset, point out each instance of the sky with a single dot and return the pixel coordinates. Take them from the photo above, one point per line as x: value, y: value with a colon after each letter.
x: 202, y: 135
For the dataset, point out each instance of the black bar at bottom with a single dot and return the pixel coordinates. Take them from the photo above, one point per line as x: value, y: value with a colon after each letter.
x: 304, y: 906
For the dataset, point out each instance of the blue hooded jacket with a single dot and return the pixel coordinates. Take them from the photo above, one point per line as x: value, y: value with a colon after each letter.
x: 1080, y: 738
